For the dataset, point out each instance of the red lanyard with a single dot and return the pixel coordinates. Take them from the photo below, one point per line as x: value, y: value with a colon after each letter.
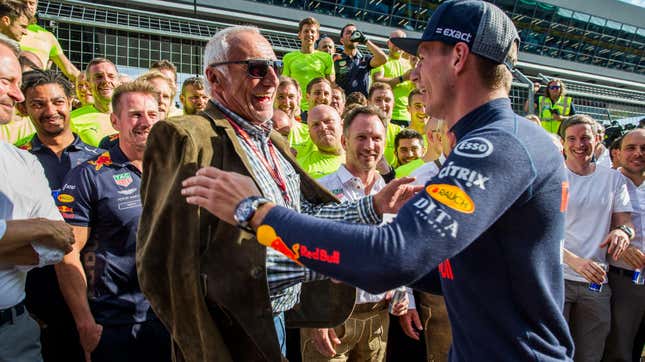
x: 275, y: 172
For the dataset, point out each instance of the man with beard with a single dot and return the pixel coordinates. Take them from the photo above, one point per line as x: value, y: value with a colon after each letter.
x: 353, y: 68
x: 193, y: 95
x: 102, y: 203
x: 47, y: 102
x: 627, y: 292
x: 325, y: 154
x: 308, y: 63
x: 32, y: 232
x: 92, y: 121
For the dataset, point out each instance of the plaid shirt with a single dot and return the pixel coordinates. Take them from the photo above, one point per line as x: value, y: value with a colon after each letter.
x: 283, y: 275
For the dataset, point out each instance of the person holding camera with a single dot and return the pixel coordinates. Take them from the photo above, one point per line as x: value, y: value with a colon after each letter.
x: 554, y: 106
x: 353, y: 67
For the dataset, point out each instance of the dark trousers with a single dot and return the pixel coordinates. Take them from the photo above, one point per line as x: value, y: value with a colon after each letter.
x: 147, y: 341
x: 60, y: 342
x: 627, y: 315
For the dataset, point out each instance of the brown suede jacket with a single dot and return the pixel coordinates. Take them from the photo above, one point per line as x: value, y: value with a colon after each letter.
x: 205, y: 279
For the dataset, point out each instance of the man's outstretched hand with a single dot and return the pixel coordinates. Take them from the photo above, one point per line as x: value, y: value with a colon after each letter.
x: 394, y: 195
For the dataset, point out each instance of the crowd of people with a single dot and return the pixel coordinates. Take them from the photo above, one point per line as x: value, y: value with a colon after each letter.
x: 132, y: 229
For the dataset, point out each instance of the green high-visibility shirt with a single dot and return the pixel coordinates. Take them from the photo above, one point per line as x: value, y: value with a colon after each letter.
x: 388, y: 153
x: 91, y: 125
x: 304, y: 67
x: 318, y: 164
x: 408, y: 168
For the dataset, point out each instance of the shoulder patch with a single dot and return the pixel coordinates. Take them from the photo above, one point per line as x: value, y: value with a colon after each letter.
x: 103, y: 160
x: 452, y: 196
x: 474, y: 147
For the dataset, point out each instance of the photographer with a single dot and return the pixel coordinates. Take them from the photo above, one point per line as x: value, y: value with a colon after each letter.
x: 353, y: 68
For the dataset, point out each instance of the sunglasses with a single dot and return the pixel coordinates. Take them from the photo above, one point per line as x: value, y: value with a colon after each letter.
x: 554, y: 87
x: 256, y: 68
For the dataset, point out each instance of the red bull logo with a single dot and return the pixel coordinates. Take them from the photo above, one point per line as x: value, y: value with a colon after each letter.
x: 267, y: 236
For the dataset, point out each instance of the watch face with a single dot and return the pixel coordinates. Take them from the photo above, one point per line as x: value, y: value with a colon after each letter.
x: 244, y: 211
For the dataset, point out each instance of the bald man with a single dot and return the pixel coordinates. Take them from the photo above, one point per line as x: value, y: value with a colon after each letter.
x: 325, y: 154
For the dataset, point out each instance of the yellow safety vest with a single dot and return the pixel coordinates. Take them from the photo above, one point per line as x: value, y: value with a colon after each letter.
x: 545, y: 105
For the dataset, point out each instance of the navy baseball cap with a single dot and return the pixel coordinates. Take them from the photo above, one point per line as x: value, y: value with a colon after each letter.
x: 484, y: 27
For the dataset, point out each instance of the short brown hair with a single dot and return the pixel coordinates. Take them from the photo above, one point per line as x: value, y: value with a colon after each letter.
x: 315, y: 81
x: 308, y: 21
x: 493, y: 75
x: 136, y: 86
x: 96, y: 61
x: 576, y: 119
x: 285, y: 81
x: 14, y: 9
x: 154, y: 74
x: 195, y: 82
x: 164, y: 64
x: 378, y: 86
x: 355, y: 98
x: 414, y: 92
x: 351, y: 114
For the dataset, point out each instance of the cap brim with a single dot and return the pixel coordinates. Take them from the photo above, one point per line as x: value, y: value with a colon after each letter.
x: 408, y: 45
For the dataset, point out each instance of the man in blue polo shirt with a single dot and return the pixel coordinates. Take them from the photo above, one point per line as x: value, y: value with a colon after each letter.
x: 48, y: 102
x: 101, y: 201
x: 353, y: 67
x: 488, y: 231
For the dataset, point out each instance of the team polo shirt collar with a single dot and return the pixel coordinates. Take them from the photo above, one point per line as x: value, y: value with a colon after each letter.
x: 37, y: 145
x: 117, y: 157
x: 482, y: 116
x: 256, y: 131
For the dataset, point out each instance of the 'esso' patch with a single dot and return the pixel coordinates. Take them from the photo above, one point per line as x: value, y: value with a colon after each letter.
x: 476, y: 147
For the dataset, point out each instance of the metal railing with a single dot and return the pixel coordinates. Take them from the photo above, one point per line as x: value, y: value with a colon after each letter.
x: 134, y: 39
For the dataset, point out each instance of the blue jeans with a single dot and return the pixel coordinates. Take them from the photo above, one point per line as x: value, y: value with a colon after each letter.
x: 278, y: 320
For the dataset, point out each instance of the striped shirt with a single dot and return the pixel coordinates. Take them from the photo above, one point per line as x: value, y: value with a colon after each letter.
x: 283, y: 275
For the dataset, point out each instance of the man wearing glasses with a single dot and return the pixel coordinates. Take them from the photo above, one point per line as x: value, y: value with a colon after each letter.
x: 220, y: 293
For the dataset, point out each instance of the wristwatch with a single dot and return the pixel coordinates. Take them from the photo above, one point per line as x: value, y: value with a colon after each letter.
x: 245, y: 210
x: 628, y: 230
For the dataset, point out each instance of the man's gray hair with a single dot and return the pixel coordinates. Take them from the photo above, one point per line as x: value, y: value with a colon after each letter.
x: 217, y: 48
x: 11, y: 44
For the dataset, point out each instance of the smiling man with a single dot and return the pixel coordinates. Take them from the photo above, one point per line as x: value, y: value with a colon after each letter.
x: 308, y: 63
x: 92, y: 121
x: 487, y: 235
x: 101, y: 201
x: 47, y: 102
x: 231, y: 300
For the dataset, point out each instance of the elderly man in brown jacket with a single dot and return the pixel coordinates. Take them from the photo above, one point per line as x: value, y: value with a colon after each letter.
x: 213, y: 285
